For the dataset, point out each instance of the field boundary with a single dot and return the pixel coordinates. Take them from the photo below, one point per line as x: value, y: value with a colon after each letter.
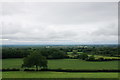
x: 61, y: 70
x: 60, y: 79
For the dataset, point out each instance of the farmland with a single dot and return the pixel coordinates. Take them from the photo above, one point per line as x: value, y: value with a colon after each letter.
x: 60, y: 58
x: 22, y: 74
x: 96, y: 56
x: 65, y: 64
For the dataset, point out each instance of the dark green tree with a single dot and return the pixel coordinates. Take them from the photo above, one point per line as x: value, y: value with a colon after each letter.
x: 100, y: 59
x: 74, y: 52
x: 91, y: 58
x: 35, y: 59
x: 83, y: 56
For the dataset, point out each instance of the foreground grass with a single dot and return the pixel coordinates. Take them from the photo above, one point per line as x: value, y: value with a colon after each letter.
x: 61, y: 63
x: 23, y: 74
x: 65, y: 64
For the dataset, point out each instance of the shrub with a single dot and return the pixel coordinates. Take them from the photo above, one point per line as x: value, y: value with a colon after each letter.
x: 91, y: 58
x: 101, y: 59
x: 13, y: 69
x: 29, y: 69
x: 83, y: 56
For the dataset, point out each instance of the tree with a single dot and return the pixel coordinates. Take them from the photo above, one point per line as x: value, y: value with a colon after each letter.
x: 52, y: 53
x: 83, y: 56
x: 35, y: 59
x: 91, y: 58
x: 74, y: 52
x: 100, y: 59
x: 57, y: 54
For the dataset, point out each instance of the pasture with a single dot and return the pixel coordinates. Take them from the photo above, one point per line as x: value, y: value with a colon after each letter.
x: 65, y: 64
x: 23, y: 74
x: 61, y: 64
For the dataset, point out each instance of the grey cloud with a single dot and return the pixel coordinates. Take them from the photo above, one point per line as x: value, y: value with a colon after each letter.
x: 12, y: 8
x: 110, y: 30
x: 10, y: 28
x: 64, y: 13
x: 85, y: 22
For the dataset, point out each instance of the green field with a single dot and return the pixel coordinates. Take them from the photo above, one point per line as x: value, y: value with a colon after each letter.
x: 65, y: 64
x: 21, y: 74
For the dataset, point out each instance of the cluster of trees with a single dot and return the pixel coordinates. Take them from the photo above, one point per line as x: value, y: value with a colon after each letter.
x: 96, y: 50
x: 52, y: 53
x: 84, y: 56
x: 49, y: 53
x: 59, y: 52
x: 105, y: 50
x: 15, y: 52
x: 35, y: 59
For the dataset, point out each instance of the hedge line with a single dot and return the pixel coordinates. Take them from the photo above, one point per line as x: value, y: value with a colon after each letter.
x: 104, y: 60
x: 8, y: 69
x: 60, y: 79
x: 63, y: 70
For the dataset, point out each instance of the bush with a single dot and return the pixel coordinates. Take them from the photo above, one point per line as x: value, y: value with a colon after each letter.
x: 29, y: 70
x: 13, y: 69
x: 101, y: 59
x: 91, y: 58
x: 83, y: 56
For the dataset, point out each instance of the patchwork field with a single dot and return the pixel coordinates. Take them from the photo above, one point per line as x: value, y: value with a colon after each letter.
x: 65, y: 64
x: 96, y: 56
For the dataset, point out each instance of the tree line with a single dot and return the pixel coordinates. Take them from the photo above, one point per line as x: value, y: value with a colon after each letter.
x: 49, y: 53
x: 59, y: 52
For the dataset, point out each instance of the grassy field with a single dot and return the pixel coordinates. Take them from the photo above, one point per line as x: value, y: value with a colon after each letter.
x: 65, y: 64
x: 21, y: 74
x: 69, y: 53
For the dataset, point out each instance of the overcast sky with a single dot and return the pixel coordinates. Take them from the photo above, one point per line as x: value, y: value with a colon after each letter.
x: 59, y: 23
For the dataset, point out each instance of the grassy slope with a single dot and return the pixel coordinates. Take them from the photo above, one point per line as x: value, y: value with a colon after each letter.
x: 21, y: 74
x: 66, y: 64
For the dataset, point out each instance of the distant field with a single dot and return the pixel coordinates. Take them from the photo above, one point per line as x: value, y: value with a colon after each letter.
x: 65, y: 64
x: 96, y: 56
x: 72, y: 52
x: 21, y: 74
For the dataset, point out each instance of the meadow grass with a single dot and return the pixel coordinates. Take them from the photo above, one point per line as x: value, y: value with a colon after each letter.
x: 65, y: 64
x: 24, y: 74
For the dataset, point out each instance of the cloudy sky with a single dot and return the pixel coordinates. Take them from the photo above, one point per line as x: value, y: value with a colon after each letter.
x: 59, y: 22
